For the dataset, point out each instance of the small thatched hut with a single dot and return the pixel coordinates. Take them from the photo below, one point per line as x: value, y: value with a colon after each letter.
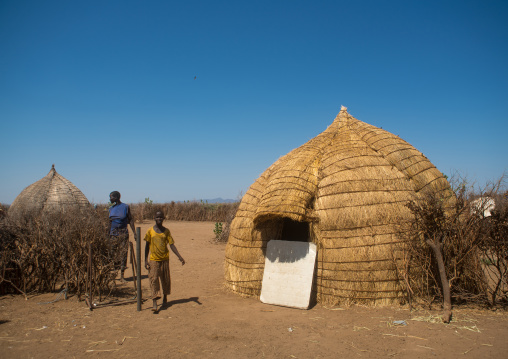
x: 51, y: 193
x: 345, y: 190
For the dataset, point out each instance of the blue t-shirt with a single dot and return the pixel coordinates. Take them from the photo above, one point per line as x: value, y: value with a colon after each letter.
x: 118, y: 216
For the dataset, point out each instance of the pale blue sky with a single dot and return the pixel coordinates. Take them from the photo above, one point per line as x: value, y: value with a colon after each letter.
x: 105, y: 90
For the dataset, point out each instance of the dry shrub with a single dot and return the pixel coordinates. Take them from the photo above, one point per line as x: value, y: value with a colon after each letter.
x: 494, y: 251
x: 3, y: 210
x: 45, y: 252
x: 473, y: 248
x: 226, y: 225
x: 185, y: 211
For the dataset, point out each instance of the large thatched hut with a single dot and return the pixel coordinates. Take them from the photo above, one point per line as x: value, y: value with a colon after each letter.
x: 51, y: 193
x: 345, y: 190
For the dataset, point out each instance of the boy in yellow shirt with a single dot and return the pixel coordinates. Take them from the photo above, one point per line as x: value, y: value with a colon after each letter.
x: 157, y: 240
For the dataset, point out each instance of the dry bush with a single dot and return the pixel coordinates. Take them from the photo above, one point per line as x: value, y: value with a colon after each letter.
x: 3, y: 210
x: 473, y: 248
x: 184, y: 211
x: 494, y: 252
x: 46, y: 252
x: 224, y: 235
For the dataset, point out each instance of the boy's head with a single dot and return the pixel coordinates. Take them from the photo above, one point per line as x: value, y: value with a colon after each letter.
x: 159, y: 217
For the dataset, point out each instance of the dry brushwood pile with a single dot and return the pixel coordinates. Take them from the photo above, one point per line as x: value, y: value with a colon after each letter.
x: 473, y: 250
x: 49, y: 251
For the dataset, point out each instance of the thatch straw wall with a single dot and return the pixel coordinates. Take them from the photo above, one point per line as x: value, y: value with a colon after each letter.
x: 51, y: 193
x: 351, y: 184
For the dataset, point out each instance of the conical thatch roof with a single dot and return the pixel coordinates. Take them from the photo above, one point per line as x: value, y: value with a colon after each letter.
x: 349, y: 185
x: 51, y: 193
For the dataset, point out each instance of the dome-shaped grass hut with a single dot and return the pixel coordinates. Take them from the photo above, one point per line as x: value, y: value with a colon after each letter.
x: 345, y: 190
x: 51, y: 193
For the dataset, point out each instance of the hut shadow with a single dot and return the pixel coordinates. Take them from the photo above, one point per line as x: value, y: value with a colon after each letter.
x: 291, y: 239
x: 286, y: 251
x: 313, y: 300
x: 314, y: 290
x: 179, y: 301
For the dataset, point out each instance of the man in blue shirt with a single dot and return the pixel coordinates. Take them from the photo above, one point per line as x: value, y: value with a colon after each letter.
x: 119, y: 217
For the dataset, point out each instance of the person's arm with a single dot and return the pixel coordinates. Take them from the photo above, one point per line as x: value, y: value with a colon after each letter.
x: 175, y: 251
x: 131, y: 220
x: 147, y: 249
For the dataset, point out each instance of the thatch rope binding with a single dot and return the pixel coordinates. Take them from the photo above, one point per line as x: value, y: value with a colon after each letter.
x: 357, y: 281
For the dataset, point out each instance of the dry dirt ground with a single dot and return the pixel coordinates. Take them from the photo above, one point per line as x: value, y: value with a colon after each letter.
x: 204, y: 320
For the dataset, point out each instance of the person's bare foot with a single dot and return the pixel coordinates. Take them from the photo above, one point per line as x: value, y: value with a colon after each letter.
x: 154, y: 308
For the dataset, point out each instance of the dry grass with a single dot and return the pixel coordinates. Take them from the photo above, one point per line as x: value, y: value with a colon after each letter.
x: 185, y: 211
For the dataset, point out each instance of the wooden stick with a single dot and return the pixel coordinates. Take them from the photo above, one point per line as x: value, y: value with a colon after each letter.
x: 115, y: 303
x: 138, y: 251
x: 89, y: 300
x: 133, y: 265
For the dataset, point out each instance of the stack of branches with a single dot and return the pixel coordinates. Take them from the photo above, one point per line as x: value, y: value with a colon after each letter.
x: 454, y: 253
x: 49, y: 251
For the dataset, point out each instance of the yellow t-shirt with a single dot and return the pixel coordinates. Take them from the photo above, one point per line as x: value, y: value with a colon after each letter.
x: 159, y: 242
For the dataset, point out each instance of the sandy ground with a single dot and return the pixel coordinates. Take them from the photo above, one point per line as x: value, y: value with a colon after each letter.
x: 204, y: 320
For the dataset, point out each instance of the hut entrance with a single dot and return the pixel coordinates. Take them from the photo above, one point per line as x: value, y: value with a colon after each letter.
x: 289, y: 266
x: 295, y: 231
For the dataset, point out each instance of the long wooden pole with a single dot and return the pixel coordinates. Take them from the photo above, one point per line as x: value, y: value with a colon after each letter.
x: 138, y: 254
x: 89, y: 300
x: 134, y: 266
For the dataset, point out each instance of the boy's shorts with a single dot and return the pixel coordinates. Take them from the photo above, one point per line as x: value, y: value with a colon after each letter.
x: 159, y: 271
